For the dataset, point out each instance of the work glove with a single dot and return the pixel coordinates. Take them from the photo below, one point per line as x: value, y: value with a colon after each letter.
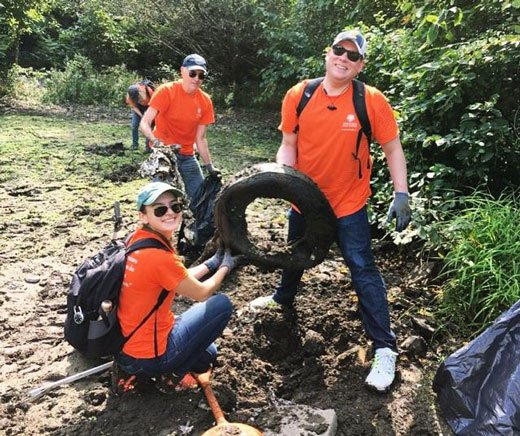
x: 230, y: 261
x: 214, y: 261
x: 400, y: 210
x: 212, y: 171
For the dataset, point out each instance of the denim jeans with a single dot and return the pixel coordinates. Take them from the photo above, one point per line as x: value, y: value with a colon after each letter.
x: 191, y: 174
x: 190, y: 345
x: 353, y: 238
x: 136, y: 119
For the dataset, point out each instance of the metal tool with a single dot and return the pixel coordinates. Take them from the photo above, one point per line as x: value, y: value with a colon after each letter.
x: 38, y: 392
x: 223, y: 427
x: 118, y: 219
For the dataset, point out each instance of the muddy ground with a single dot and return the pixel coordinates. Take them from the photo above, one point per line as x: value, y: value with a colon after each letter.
x: 316, y: 355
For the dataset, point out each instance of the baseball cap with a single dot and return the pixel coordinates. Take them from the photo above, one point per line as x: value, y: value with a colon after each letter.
x: 195, y: 62
x: 153, y: 190
x: 133, y: 92
x: 356, y: 37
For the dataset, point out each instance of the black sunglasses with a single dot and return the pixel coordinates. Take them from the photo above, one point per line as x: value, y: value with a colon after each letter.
x: 201, y: 74
x: 353, y: 56
x: 161, y: 210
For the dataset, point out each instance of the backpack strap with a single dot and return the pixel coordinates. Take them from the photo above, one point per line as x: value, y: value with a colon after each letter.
x: 361, y: 111
x: 146, y: 243
x: 358, y: 96
x: 139, y: 245
x: 160, y: 300
x: 308, y: 91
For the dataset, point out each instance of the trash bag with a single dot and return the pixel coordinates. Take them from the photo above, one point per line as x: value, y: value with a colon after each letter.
x: 198, y: 228
x: 478, y: 386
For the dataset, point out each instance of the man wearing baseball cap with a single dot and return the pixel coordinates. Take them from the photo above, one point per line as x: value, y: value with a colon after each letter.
x: 326, y: 142
x: 181, y: 112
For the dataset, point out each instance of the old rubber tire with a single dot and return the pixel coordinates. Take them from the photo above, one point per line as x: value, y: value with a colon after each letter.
x: 272, y: 180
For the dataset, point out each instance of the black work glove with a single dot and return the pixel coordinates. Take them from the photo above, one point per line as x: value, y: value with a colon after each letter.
x: 230, y: 261
x: 214, y: 261
x: 400, y: 210
x: 212, y: 171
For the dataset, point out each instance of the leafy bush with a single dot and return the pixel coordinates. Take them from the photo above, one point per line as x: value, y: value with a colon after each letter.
x: 24, y: 84
x: 483, y: 261
x: 81, y: 84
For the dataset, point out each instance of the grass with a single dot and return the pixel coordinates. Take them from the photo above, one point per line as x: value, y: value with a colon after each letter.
x: 483, y: 262
x: 61, y: 170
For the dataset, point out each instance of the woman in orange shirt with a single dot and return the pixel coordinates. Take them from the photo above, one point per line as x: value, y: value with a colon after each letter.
x: 166, y: 348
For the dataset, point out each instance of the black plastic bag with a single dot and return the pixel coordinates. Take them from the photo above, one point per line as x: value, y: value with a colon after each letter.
x: 478, y: 386
x: 196, y: 230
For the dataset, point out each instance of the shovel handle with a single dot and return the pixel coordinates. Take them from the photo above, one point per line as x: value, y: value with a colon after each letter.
x: 204, y: 382
x: 38, y: 392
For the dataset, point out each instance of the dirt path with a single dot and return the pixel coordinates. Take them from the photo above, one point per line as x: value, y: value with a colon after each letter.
x: 316, y: 355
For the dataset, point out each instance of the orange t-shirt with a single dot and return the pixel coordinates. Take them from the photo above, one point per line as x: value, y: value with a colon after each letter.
x: 179, y: 115
x: 144, y: 95
x: 327, y: 140
x: 147, y: 273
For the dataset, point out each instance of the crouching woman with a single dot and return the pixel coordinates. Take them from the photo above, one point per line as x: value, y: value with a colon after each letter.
x: 166, y: 348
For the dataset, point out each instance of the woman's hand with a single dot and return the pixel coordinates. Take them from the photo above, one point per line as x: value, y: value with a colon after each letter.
x: 214, y: 261
x: 230, y: 261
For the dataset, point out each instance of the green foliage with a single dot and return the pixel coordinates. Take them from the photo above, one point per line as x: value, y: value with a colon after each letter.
x: 17, y: 18
x: 25, y: 84
x: 482, y: 263
x: 103, y: 37
x: 81, y: 84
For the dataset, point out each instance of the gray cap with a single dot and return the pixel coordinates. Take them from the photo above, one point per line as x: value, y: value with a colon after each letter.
x: 356, y: 37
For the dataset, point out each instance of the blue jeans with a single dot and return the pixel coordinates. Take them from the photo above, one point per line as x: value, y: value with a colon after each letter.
x: 136, y: 119
x: 190, y: 345
x: 191, y: 174
x: 353, y: 238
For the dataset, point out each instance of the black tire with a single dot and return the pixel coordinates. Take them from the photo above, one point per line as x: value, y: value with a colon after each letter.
x: 272, y: 180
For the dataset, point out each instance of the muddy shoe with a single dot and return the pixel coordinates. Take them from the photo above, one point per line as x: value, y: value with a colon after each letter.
x: 122, y: 382
x: 263, y: 303
x: 171, y: 384
x: 382, y: 374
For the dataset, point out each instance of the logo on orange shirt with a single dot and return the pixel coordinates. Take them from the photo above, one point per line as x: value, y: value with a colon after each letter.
x: 199, y: 113
x: 350, y: 124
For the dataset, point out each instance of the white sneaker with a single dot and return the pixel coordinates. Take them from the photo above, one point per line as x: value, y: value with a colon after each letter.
x: 382, y: 373
x: 261, y: 303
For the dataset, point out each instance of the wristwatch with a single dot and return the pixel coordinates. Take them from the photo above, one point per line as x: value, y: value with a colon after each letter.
x: 156, y: 142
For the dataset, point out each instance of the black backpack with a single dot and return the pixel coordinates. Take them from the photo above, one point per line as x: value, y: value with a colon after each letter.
x: 91, y: 325
x: 359, y: 106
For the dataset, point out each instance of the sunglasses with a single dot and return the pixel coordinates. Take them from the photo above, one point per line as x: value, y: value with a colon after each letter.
x: 200, y: 74
x: 161, y: 210
x: 353, y: 56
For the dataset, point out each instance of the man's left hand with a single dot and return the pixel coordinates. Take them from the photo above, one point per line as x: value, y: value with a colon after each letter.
x: 400, y: 210
x: 212, y: 171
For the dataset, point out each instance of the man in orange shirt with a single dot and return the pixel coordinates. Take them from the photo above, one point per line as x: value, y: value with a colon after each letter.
x: 182, y: 112
x: 321, y: 143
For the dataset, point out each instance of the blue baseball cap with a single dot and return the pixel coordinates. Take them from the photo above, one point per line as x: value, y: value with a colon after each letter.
x: 152, y: 191
x: 356, y: 37
x: 195, y: 62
